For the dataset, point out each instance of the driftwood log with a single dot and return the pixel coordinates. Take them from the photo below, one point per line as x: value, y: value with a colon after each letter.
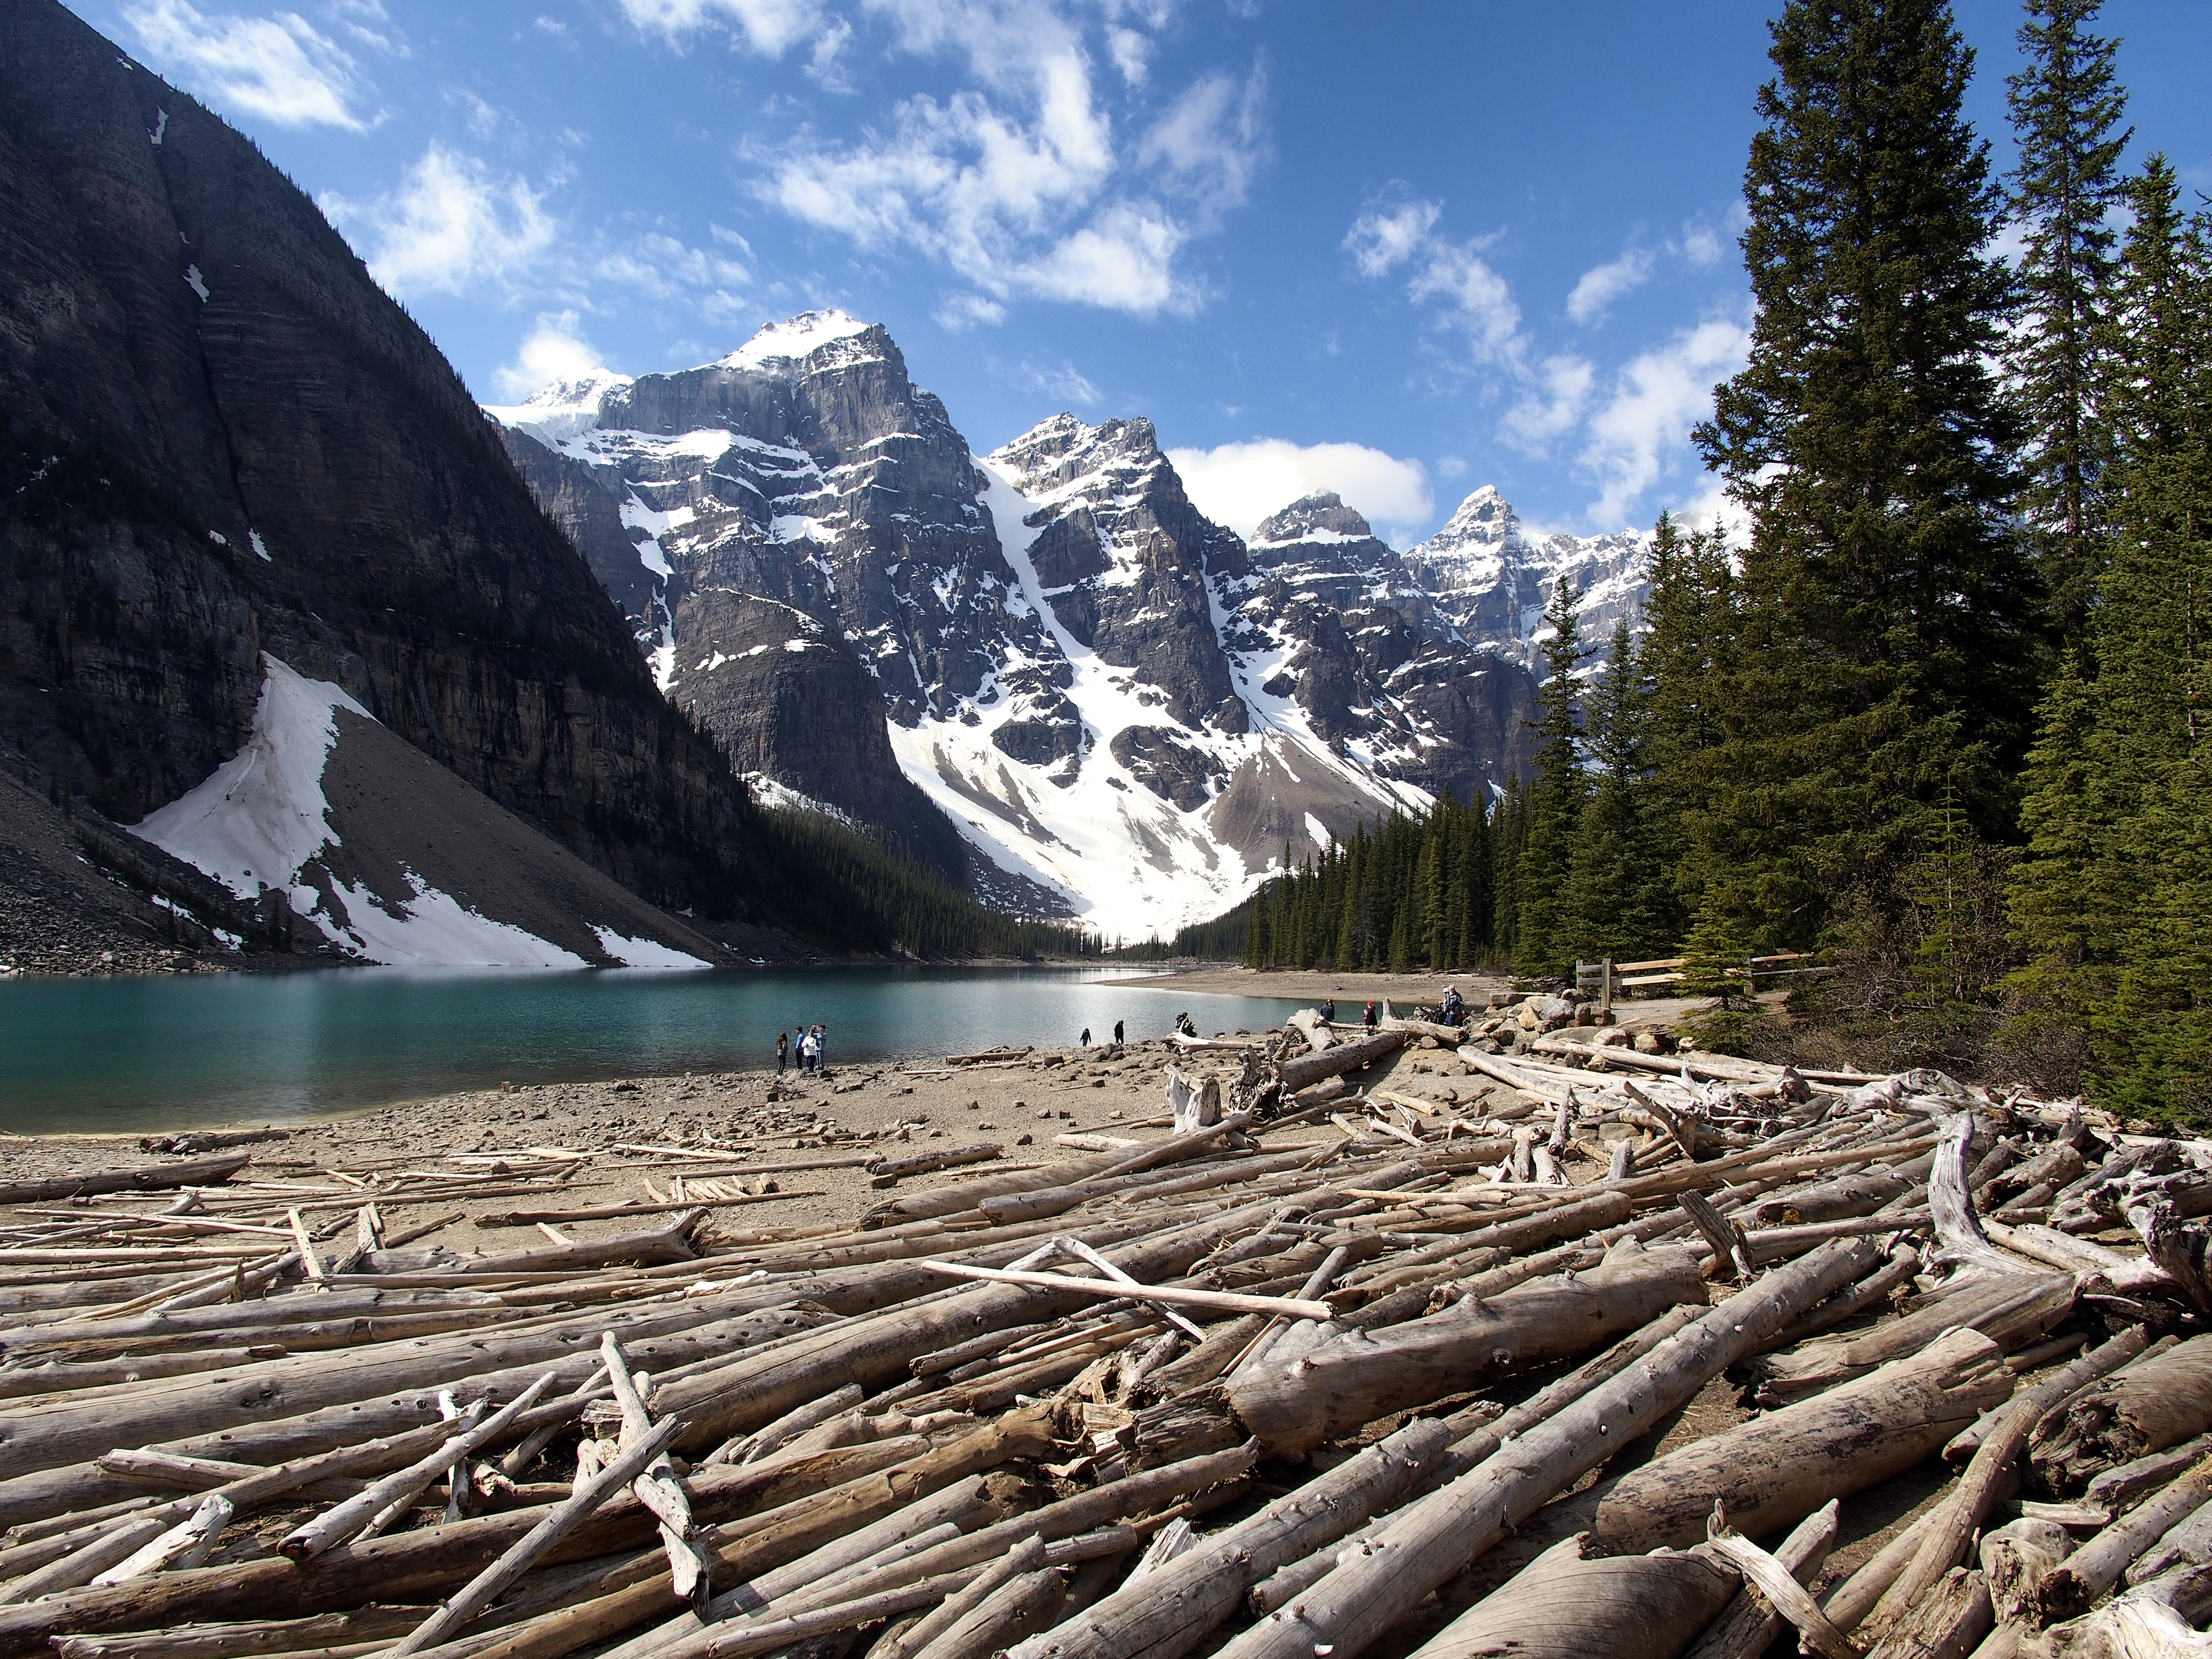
x: 2166, y: 1400
x: 1563, y: 1607
x: 1777, y: 1468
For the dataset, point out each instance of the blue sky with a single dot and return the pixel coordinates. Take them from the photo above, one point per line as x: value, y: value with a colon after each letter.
x: 1400, y: 250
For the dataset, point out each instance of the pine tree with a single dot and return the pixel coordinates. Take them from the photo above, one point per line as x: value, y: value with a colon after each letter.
x: 1886, y: 648
x: 2066, y: 108
x: 1555, y: 798
x: 2110, y: 905
x: 1690, y: 622
x: 1617, y: 901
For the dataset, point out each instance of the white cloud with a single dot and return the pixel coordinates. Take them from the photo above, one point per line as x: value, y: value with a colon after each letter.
x: 1239, y: 484
x: 1382, y: 239
x: 554, y: 349
x: 769, y: 27
x: 1064, y: 384
x: 450, y: 227
x: 1553, y: 405
x: 962, y: 312
x: 1701, y: 247
x: 1601, y: 285
x: 280, y: 68
x: 1124, y: 261
x: 1016, y: 182
x: 1476, y: 298
x: 1212, y: 141
x: 1636, y: 437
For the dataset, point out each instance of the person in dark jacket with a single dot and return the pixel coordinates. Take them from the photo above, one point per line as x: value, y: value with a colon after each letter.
x: 782, y: 1051
x: 1117, y: 1033
x: 1367, y: 1019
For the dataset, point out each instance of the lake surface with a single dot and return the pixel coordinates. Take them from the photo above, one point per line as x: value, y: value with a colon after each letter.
x: 171, y: 1051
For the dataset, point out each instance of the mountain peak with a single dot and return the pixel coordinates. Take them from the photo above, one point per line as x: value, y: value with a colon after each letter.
x: 1484, y: 515
x: 795, y: 337
x: 1321, y: 516
x: 563, y: 408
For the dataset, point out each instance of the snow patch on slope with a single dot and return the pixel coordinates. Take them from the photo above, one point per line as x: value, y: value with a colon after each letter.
x: 434, y: 929
x: 261, y: 819
x: 645, y: 953
x: 261, y: 814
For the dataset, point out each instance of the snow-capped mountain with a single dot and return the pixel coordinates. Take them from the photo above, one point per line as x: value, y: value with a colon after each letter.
x: 1492, y: 579
x: 1044, y: 670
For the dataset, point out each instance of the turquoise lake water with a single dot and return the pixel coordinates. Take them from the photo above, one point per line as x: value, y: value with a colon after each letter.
x: 172, y: 1051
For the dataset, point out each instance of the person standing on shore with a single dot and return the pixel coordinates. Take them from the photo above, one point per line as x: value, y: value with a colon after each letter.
x: 782, y: 1051
x: 1117, y: 1033
x: 808, y: 1049
x: 1087, y: 1036
x: 1328, y: 1010
x: 821, y: 1047
x: 1369, y: 1018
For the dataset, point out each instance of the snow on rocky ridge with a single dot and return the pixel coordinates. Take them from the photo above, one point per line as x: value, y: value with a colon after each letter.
x: 1123, y: 711
x: 357, y: 830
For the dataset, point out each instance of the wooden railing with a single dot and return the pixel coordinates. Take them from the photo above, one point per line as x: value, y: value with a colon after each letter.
x: 1609, y: 979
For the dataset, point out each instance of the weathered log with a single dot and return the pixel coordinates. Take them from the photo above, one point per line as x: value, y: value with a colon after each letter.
x: 2122, y: 1487
x: 2013, y: 1559
x: 1172, y: 1295
x: 1776, y: 1582
x: 1016, y: 1609
x: 1171, y: 1610
x: 1435, y: 1537
x: 362, y: 1627
x: 335, y: 1526
x: 2012, y: 1311
x: 896, y: 1169
x: 478, y: 1592
x: 1025, y: 1557
x: 2156, y: 1620
x: 2068, y: 1588
x: 1948, y: 1623
x: 2159, y: 1403
x: 145, y: 1178
x: 187, y: 1544
x: 656, y: 1486
x: 1964, y: 1511
x: 1562, y: 1606
x: 1306, y: 1070
x: 1361, y: 1376
x: 82, y: 1565
x: 1775, y: 1469
x: 1751, y: 1624
x: 2187, y: 1543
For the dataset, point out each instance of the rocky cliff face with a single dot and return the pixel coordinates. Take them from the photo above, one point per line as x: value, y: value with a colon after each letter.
x: 803, y: 479
x: 220, y: 438
x: 1124, y: 712
x: 1491, y: 578
x: 1329, y: 616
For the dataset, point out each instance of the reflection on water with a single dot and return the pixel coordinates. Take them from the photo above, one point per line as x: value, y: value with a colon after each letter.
x: 114, y: 1055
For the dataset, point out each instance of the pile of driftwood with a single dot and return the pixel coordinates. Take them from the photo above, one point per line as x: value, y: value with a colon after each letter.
x: 1319, y: 1374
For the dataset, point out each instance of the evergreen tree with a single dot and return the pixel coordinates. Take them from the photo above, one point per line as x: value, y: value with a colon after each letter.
x: 1555, y: 798
x: 1689, y: 622
x: 2109, y: 904
x: 1886, y: 651
x: 2066, y: 107
x: 1618, y: 902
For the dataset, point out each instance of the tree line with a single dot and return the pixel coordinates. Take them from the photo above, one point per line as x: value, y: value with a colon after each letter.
x: 1940, y: 713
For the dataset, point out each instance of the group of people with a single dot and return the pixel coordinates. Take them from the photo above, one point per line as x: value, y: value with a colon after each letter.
x: 812, y: 1041
x: 1117, y: 1034
x: 1450, y: 1011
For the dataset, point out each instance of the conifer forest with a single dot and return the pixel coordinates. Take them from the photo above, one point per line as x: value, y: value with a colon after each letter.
x: 1939, y: 712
